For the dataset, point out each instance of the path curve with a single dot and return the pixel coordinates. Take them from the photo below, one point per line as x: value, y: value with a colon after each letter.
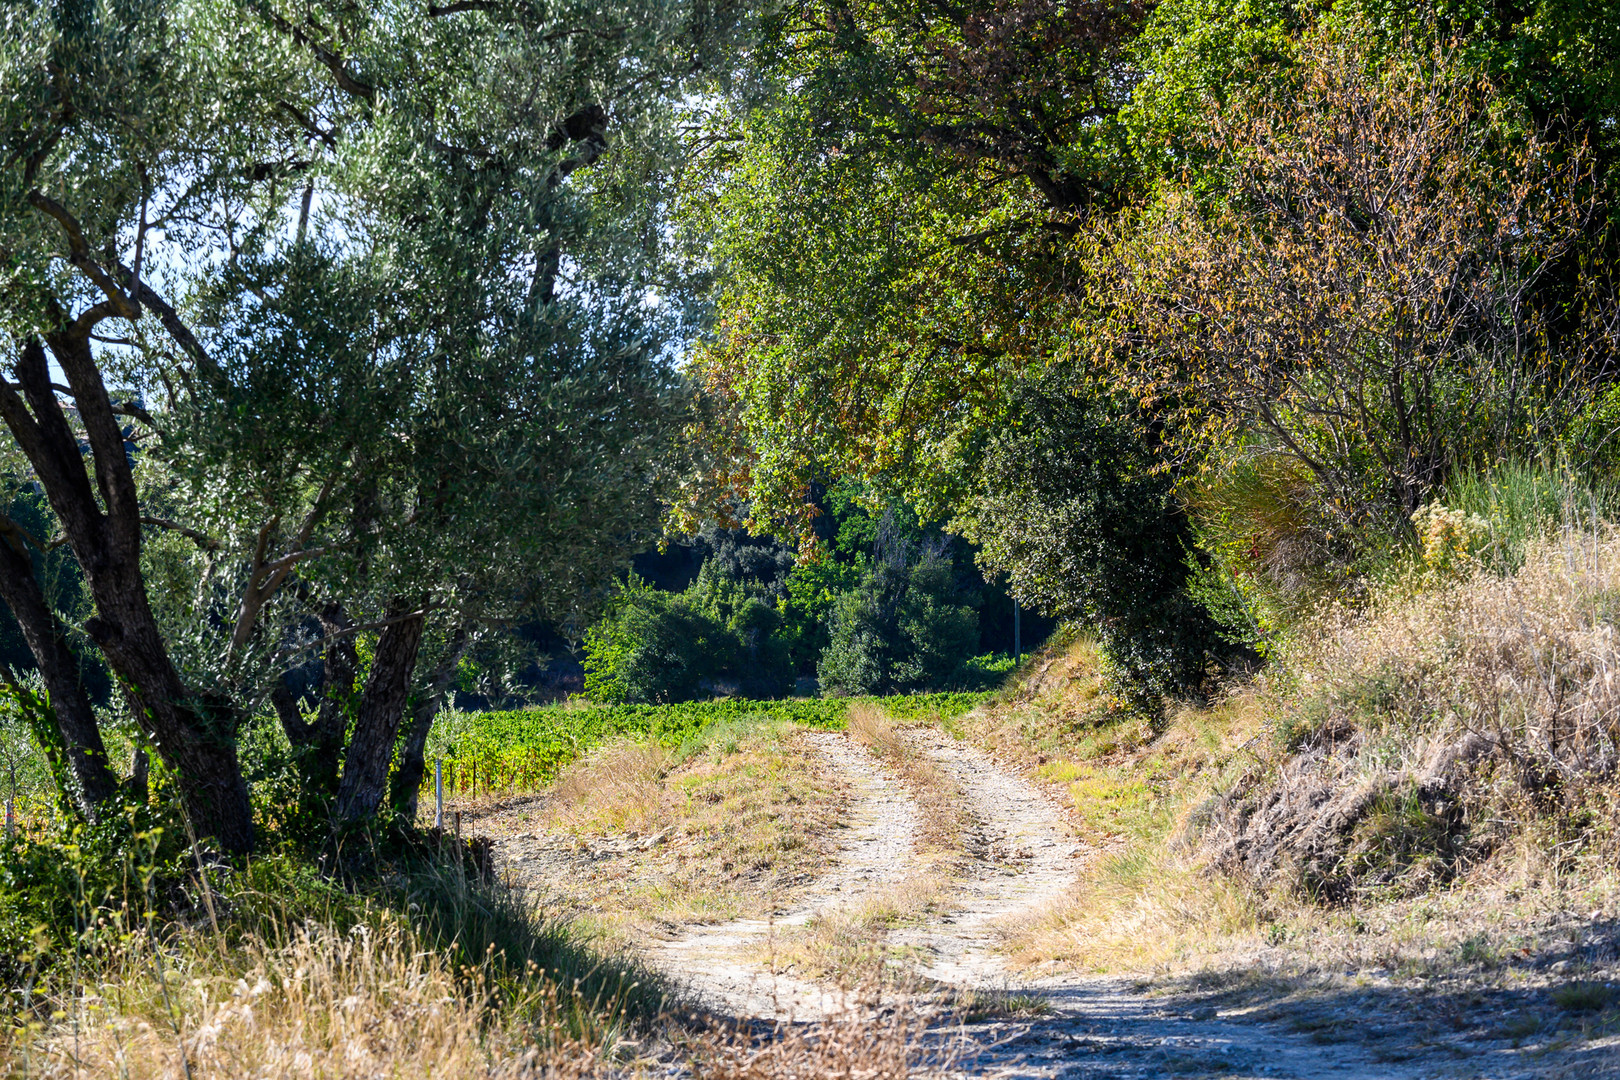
x: 1019, y: 855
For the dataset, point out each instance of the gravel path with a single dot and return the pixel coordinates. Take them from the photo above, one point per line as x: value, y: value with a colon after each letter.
x: 1018, y: 855
x: 875, y: 855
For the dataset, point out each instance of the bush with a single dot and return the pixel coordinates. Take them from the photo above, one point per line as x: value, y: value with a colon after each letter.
x: 1073, y: 508
x: 655, y: 647
x: 904, y: 628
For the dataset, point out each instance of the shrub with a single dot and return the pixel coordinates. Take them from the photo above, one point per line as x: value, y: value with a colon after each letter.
x: 654, y: 647
x: 1075, y: 510
x: 904, y: 628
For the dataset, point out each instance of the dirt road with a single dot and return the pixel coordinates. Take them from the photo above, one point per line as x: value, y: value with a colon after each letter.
x: 1018, y: 854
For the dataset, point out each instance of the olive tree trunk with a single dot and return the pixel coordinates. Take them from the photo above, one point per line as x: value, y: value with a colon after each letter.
x: 318, y: 743
x: 95, y: 782
x: 196, y: 738
x: 376, y: 727
x: 407, y: 782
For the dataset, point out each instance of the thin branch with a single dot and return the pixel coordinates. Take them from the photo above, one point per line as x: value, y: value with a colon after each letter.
x: 129, y: 408
x: 15, y: 533
x: 202, y: 539
x: 333, y: 62
x: 79, y: 254
x: 434, y: 10
x: 308, y: 123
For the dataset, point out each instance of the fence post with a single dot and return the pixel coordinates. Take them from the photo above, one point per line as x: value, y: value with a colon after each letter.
x: 438, y: 794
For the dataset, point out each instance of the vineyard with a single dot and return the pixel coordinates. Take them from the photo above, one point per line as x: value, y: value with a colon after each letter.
x: 519, y: 750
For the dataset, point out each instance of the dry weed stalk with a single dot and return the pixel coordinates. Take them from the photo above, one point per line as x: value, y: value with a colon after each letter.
x: 854, y: 1047
x: 1526, y: 665
x: 325, y: 1006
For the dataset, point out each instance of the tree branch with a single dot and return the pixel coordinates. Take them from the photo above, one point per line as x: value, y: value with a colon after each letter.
x: 79, y: 254
x: 333, y: 62
x: 434, y: 10
x: 202, y: 539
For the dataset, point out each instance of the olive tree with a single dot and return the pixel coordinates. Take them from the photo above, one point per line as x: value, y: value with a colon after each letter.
x: 327, y: 319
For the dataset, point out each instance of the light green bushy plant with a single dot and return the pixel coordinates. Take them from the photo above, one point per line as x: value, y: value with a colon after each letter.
x: 1522, y: 501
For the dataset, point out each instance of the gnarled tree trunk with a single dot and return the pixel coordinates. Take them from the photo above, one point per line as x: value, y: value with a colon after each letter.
x: 388, y: 690
x: 319, y: 743
x: 196, y: 738
x: 407, y: 783
x: 96, y: 783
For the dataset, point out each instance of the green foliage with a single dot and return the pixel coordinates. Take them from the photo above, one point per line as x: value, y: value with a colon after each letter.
x: 1073, y: 509
x: 904, y: 628
x: 82, y: 888
x: 526, y: 748
x: 988, y: 671
x: 655, y: 647
x: 814, y: 587
x: 1189, y: 52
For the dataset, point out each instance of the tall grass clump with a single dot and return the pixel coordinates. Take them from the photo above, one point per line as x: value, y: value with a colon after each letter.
x: 125, y: 956
x: 1523, y: 502
x: 1457, y: 722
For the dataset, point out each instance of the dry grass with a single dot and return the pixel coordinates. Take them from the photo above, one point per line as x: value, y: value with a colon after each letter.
x: 894, y: 1046
x: 637, y: 840
x: 849, y: 946
x: 373, y: 1002
x: 381, y: 1002
x: 939, y: 803
x: 619, y: 788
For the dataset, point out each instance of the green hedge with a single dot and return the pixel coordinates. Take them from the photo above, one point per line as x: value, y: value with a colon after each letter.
x: 503, y: 751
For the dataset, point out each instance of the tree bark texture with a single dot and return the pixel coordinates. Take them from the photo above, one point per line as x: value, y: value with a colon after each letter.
x: 376, y: 726
x: 319, y: 742
x: 196, y: 738
x: 59, y: 670
x: 407, y: 782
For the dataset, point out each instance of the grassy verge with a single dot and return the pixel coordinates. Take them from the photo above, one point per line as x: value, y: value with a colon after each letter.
x: 424, y: 973
x: 637, y: 838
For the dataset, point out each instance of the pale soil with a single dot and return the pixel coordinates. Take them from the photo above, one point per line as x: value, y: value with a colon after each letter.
x: 1018, y: 856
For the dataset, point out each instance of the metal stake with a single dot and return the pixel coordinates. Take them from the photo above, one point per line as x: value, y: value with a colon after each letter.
x: 1018, y: 632
x: 438, y: 793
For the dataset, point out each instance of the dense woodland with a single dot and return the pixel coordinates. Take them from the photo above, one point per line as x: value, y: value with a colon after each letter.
x: 345, y: 344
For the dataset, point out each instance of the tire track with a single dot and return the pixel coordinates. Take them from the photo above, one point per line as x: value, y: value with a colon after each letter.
x: 876, y: 854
